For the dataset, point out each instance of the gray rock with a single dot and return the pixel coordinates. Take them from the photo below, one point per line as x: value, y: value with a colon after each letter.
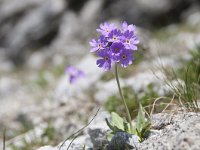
x: 32, y: 27
x: 8, y: 86
x: 5, y: 64
x: 98, y: 129
x: 46, y: 148
x: 180, y: 131
x: 123, y: 140
x: 77, y: 144
x: 146, y: 12
x: 10, y: 8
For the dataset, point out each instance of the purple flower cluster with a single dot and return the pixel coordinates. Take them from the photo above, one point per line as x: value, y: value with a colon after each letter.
x: 115, y: 45
x: 74, y: 74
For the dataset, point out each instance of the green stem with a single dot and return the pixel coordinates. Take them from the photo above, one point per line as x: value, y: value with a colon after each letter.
x: 122, y: 97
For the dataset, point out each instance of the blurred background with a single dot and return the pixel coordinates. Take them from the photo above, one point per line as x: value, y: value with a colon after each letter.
x: 39, y: 38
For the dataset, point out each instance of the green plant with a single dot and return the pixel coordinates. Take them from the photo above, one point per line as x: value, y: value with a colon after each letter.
x: 118, y: 124
x: 142, y: 124
x: 185, y: 81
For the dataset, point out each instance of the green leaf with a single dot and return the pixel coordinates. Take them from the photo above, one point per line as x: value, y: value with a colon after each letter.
x: 126, y: 126
x: 118, y: 124
x: 112, y: 127
x: 117, y: 121
x: 110, y: 135
x: 140, y: 121
x: 142, y: 124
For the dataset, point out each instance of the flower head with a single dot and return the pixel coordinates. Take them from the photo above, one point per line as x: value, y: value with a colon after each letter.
x: 74, y: 74
x: 115, y: 45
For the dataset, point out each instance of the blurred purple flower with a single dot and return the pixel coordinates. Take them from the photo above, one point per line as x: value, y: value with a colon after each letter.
x: 126, y: 27
x: 74, y: 74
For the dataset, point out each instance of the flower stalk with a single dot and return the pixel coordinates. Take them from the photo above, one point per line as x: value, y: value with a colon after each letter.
x: 122, y: 97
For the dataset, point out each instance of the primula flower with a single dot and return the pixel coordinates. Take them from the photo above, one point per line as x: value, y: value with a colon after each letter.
x: 116, y: 48
x: 105, y: 61
x: 114, y: 36
x: 126, y: 58
x: 115, y: 45
x: 74, y: 74
x: 130, y: 40
x: 97, y: 44
x: 106, y: 28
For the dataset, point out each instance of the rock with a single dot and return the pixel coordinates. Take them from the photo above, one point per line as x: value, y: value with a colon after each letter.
x: 123, y: 140
x: 29, y: 136
x: 8, y: 86
x: 5, y: 64
x: 46, y: 148
x: 32, y: 28
x: 146, y: 12
x: 98, y: 129
x: 178, y: 131
x: 71, y: 36
x: 12, y: 8
x: 77, y: 144
x: 106, y: 89
x: 36, y: 60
